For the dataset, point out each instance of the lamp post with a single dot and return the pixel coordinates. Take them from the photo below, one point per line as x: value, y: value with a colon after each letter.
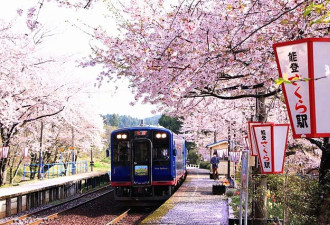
x: 92, y: 162
x: 229, y: 143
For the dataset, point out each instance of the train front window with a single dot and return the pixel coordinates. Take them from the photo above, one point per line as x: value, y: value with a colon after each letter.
x: 121, y: 153
x: 141, y: 152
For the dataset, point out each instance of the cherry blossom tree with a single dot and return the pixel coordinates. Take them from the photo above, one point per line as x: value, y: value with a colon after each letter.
x: 178, y: 55
x: 183, y: 55
x: 38, y: 96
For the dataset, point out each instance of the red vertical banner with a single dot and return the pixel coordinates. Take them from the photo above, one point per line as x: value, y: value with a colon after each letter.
x: 304, y: 68
x: 251, y: 138
x: 271, y: 142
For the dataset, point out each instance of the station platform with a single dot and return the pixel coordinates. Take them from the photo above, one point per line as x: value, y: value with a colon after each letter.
x: 193, y: 203
x: 30, y: 195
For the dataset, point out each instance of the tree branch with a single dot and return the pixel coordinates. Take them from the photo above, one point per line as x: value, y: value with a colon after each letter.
x: 203, y: 94
x: 266, y: 24
x: 223, y: 76
x: 317, y: 143
x: 46, y: 115
x: 88, y: 4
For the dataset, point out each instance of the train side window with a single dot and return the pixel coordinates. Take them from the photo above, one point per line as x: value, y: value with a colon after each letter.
x: 121, y: 152
x: 161, y: 154
x: 164, y: 153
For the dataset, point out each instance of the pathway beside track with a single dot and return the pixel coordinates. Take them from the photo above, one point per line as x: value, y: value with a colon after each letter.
x: 193, y: 203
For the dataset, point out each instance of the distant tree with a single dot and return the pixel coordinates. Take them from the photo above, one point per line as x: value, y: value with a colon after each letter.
x: 154, y: 120
x: 127, y: 121
x: 121, y: 121
x: 193, y: 157
x: 171, y: 123
x: 190, y: 145
x: 114, y: 120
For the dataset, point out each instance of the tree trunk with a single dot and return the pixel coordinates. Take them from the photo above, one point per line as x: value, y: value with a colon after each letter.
x: 33, y: 169
x: 260, y: 202
x: 324, y: 184
x: 17, y: 167
x: 11, y: 171
x: 4, y: 162
x: 3, y: 171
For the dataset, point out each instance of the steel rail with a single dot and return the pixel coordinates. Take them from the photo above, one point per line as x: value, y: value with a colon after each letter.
x: 55, y: 215
x: 14, y: 220
x: 118, y: 218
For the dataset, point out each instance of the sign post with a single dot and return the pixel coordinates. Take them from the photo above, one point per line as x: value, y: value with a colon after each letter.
x: 244, y: 186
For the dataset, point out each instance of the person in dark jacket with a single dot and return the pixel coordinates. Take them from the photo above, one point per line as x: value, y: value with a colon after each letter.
x: 214, y: 162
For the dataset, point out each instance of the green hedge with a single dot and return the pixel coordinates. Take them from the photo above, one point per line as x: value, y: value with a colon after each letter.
x: 204, y: 165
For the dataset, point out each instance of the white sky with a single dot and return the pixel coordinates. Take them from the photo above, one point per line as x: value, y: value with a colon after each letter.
x: 69, y: 40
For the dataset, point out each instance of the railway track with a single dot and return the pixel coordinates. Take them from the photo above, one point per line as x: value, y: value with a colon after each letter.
x: 119, y: 218
x: 132, y: 216
x: 51, y: 212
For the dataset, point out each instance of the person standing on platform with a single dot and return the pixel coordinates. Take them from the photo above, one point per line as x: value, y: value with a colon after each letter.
x: 214, y: 162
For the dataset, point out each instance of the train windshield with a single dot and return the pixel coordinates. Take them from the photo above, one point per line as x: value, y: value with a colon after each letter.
x: 141, y: 152
x: 121, y: 153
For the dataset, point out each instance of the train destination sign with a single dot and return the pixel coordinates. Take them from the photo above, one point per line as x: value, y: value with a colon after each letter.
x: 141, y: 133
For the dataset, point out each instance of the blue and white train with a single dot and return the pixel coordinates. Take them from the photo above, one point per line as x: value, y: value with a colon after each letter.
x: 147, y: 163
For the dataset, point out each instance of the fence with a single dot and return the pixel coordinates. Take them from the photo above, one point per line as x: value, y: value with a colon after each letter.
x: 52, y: 170
x: 192, y: 166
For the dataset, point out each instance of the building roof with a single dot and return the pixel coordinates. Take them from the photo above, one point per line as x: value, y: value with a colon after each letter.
x: 216, y: 143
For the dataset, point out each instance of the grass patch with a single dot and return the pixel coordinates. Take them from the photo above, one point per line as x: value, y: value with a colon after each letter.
x: 101, y: 166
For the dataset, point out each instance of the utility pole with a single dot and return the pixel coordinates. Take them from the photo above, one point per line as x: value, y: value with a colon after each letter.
x: 92, y: 162
x: 73, y: 156
x: 229, y: 141
x: 40, y: 151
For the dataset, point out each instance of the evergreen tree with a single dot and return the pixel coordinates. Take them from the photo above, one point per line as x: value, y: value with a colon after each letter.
x: 171, y: 123
x: 114, y: 120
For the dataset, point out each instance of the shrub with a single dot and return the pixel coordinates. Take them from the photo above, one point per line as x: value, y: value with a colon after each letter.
x: 205, y: 165
x: 193, y: 157
x: 230, y: 192
x: 293, y: 194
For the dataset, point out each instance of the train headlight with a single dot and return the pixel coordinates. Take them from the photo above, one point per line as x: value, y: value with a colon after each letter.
x: 161, y: 135
x: 121, y: 136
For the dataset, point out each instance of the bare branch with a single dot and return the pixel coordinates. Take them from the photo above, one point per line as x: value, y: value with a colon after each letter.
x: 88, y: 4
x: 204, y: 93
x: 317, y: 143
x: 43, y: 116
x: 266, y: 24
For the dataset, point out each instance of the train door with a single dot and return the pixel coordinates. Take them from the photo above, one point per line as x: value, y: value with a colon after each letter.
x: 141, y: 159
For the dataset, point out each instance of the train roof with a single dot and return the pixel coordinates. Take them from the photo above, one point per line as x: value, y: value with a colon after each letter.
x: 147, y: 128
x: 142, y: 128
